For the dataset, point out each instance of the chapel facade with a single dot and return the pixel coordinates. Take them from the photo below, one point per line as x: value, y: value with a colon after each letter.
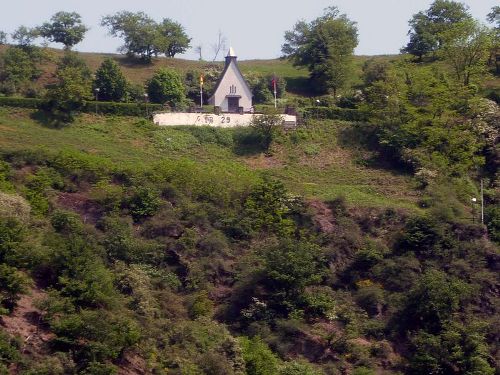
x: 232, y: 93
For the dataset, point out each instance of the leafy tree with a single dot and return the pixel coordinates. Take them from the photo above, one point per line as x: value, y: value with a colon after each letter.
x: 325, y: 46
x: 466, y: 48
x: 139, y: 32
x: 12, y: 283
x: 433, y: 300
x: 65, y: 27
x: 266, y: 208
x: 18, y: 68
x: 174, y: 39
x: 494, y: 18
x: 3, y: 38
x: 144, y: 202
x: 458, y: 348
x: 24, y: 36
x: 288, y: 268
x: 298, y: 368
x: 166, y: 87
x: 266, y: 126
x: 259, y: 359
x: 72, y: 88
x: 427, y: 26
x: 110, y: 81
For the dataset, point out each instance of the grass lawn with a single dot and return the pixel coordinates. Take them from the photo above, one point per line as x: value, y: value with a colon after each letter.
x: 315, y: 166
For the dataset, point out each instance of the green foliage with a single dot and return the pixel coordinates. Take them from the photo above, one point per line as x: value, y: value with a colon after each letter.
x: 432, y: 302
x: 459, y: 348
x: 73, y: 86
x: 8, y: 352
x: 65, y: 27
x: 24, y: 36
x: 94, y: 335
x: 467, y: 48
x: 492, y: 217
x: 266, y: 127
x: 144, y: 202
x: 12, y: 283
x: 268, y: 208
x: 110, y: 82
x: 166, y: 87
x: 420, y: 116
x: 298, y: 368
x: 173, y: 38
x: 288, y: 268
x: 144, y: 37
x: 325, y: 46
x: 18, y: 67
x: 427, y: 27
x: 259, y: 359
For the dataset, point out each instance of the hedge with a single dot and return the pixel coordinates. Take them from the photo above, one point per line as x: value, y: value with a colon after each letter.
x: 108, y: 108
x: 334, y: 113
x: 8, y: 101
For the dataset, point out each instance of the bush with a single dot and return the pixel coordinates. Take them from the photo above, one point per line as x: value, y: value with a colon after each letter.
x: 144, y: 202
x: 166, y: 87
x: 259, y: 359
x: 12, y: 283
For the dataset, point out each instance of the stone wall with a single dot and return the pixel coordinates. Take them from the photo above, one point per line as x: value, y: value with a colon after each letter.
x: 225, y: 120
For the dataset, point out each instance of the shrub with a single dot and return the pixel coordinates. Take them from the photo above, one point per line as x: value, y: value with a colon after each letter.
x: 259, y: 359
x: 14, y: 206
x: 166, y: 87
x: 12, y: 283
x: 144, y: 202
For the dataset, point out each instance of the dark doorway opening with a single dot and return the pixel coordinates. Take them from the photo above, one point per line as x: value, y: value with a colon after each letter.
x: 233, y: 104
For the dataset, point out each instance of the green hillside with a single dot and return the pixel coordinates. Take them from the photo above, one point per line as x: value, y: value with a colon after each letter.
x: 362, y: 241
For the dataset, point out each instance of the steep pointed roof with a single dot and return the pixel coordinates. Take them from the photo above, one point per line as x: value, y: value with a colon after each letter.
x: 230, y: 58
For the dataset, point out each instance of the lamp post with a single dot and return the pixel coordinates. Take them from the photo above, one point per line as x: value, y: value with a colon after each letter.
x: 97, y: 89
x: 146, y: 103
x: 473, y: 201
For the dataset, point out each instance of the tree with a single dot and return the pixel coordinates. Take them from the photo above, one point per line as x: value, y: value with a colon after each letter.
x: 166, y: 87
x: 494, y: 18
x: 466, y: 48
x: 139, y: 32
x: 65, y: 27
x: 18, y: 68
x: 259, y: 359
x: 427, y: 26
x: 70, y: 91
x: 110, y: 81
x: 266, y: 127
x: 24, y: 36
x: 174, y: 38
x: 3, y: 38
x: 325, y: 46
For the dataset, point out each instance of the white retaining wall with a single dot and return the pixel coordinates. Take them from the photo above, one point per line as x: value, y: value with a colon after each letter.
x: 225, y: 120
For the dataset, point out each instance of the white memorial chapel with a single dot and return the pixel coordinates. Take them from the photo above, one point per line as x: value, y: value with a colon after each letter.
x: 232, y: 93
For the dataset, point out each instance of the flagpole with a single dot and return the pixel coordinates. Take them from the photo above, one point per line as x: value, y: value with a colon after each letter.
x: 201, y: 93
x: 275, y: 93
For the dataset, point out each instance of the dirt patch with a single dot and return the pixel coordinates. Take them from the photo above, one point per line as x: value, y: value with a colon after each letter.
x: 262, y: 161
x: 81, y: 204
x: 323, y: 216
x: 132, y: 364
x: 25, y: 322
